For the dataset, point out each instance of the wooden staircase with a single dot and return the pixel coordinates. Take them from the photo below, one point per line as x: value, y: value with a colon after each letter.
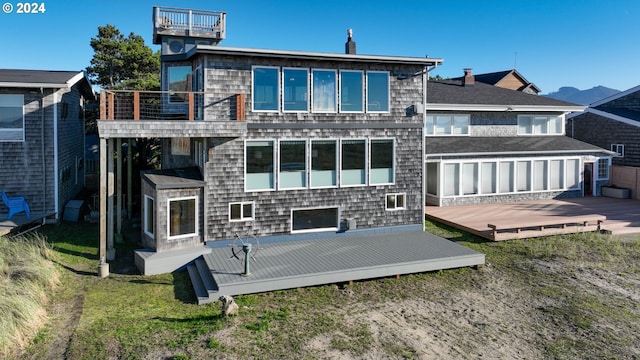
x: 202, y: 281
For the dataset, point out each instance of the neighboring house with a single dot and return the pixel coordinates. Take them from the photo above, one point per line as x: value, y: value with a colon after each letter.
x: 486, y: 144
x: 280, y: 143
x: 42, y: 137
x: 508, y: 79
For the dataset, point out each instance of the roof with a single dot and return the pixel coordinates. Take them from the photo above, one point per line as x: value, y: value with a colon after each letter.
x: 183, y: 178
x: 495, y: 77
x: 303, y: 55
x: 453, y: 95
x: 49, y: 79
x: 615, y: 96
x: 615, y: 109
x: 516, y: 145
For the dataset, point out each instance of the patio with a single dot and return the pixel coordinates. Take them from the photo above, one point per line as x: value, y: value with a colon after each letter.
x: 19, y: 222
x: 541, y: 217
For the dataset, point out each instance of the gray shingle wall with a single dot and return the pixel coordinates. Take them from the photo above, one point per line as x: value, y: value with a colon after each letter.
x: 70, y: 146
x: 494, y: 199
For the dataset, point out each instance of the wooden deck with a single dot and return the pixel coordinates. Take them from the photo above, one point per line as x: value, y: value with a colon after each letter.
x: 300, y: 263
x: 541, y: 217
x: 19, y: 222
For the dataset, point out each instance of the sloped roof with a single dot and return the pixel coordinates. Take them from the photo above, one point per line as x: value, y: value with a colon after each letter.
x: 18, y: 78
x: 623, y: 112
x: 626, y: 110
x: 516, y: 145
x: 453, y: 92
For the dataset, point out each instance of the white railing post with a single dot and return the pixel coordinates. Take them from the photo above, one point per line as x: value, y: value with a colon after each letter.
x: 190, y: 20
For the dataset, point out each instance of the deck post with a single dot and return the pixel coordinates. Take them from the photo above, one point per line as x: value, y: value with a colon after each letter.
x: 103, y: 105
x: 129, y: 178
x: 118, y: 151
x: 136, y: 105
x: 191, y: 106
x: 111, y: 111
x: 111, y: 251
x: 103, y: 267
x: 240, y: 107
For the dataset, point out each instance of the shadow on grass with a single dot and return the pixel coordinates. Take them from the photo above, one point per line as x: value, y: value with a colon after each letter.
x: 182, y: 288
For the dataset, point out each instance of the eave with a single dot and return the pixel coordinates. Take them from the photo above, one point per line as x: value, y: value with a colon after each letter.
x: 500, y: 108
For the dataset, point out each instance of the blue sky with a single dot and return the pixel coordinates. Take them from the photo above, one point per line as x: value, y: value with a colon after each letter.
x: 553, y: 43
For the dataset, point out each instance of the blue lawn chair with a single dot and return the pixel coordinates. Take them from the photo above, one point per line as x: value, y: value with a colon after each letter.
x: 16, y: 205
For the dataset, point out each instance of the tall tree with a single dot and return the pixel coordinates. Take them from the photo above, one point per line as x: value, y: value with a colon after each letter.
x: 121, y: 62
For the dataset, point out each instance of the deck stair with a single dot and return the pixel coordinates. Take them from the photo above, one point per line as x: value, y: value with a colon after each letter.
x: 543, y: 226
x: 203, y: 282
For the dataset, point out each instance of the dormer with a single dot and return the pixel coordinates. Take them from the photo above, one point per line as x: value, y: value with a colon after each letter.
x: 180, y: 30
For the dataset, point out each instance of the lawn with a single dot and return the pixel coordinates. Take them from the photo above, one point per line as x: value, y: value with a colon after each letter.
x: 566, y: 297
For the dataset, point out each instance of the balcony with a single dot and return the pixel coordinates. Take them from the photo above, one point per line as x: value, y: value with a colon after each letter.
x: 125, y: 114
x: 178, y: 22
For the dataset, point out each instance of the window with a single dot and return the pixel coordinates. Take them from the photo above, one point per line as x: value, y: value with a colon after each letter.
x: 241, y: 211
x: 265, y: 89
x: 324, y: 163
x: 293, y: 167
x: 180, y: 146
x: 540, y: 125
x: 618, y: 149
x: 377, y: 91
x: 451, y: 179
x: 183, y: 217
x: 381, y: 163
x: 523, y: 179
x: 351, y: 91
x: 179, y: 82
x: 469, y: 178
x: 540, y: 175
x: 259, y: 165
x: 149, y: 216
x: 11, y: 118
x: 447, y: 125
x: 309, y: 220
x: 603, y: 169
x: 353, y: 163
x: 324, y: 90
x: 395, y: 202
x: 432, y: 178
x: 573, y: 174
x: 489, y: 177
x: 556, y: 174
x: 296, y: 90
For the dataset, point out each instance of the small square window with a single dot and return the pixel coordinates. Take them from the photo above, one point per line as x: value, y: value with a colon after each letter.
x: 395, y: 201
x: 618, y: 149
x: 242, y: 211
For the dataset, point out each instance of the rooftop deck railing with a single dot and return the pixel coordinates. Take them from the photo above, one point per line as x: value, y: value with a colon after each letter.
x: 171, y: 105
x: 189, y: 22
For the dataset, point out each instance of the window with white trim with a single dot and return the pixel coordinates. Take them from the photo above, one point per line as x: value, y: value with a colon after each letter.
x: 260, y: 165
x: 556, y: 174
x: 523, y: 175
x: 295, y: 90
x: 241, y: 211
x: 573, y: 174
x: 454, y: 125
x: 603, y: 169
x: 266, y: 88
x: 324, y: 163
x: 353, y: 171
x: 324, y: 90
x: 381, y: 161
x: 292, y: 165
x: 488, y: 178
x: 377, y: 91
x: 540, y: 125
x: 149, y: 216
x: 183, y: 217
x: 618, y: 149
x: 351, y: 91
x: 11, y: 117
x: 313, y: 220
x: 395, y: 201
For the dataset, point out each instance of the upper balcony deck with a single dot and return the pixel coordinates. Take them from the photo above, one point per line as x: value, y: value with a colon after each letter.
x: 188, y: 23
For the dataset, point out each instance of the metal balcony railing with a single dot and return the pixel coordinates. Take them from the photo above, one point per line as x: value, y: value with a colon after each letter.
x: 171, y: 105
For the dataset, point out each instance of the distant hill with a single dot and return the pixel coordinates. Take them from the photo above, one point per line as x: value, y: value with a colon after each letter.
x: 582, y: 97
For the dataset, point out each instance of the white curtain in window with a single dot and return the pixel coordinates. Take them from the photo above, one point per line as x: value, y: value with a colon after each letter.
x: 451, y: 179
x: 489, y: 181
x: 540, y: 175
x: 573, y: 174
x: 556, y: 175
x: 470, y: 178
x: 506, y: 177
x: 523, y: 173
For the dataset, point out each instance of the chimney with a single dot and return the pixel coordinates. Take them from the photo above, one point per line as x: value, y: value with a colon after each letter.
x: 468, y: 79
x: 350, y: 45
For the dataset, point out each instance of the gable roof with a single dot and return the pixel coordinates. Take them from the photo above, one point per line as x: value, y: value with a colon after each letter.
x: 615, y: 96
x: 453, y: 95
x: 495, y: 78
x: 514, y: 145
x: 606, y: 107
x: 49, y: 79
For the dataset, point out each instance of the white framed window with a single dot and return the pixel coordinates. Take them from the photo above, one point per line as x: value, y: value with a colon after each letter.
x: 353, y: 163
x: 242, y: 211
x: 265, y: 88
x: 506, y: 177
x: 149, y: 216
x: 540, y: 125
x: 182, y: 217
x: 442, y: 124
x: 469, y: 178
x: 523, y: 175
x: 489, y: 177
x: 573, y: 174
x: 451, y: 179
x: 179, y: 83
x: 324, y: 163
x: 292, y: 172
x: 432, y: 177
x: 381, y: 161
x: 556, y: 174
x: 324, y: 92
x: 377, y: 91
x: 181, y: 146
x: 12, y: 117
x: 315, y: 219
x: 540, y: 175
x: 603, y: 169
x: 395, y: 201
x: 618, y: 149
x: 351, y: 91
x: 295, y: 90
x: 259, y: 165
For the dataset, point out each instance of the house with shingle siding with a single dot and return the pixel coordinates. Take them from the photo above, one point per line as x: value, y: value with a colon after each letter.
x: 42, y: 137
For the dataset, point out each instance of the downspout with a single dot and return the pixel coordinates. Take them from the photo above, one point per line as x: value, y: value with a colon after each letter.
x: 425, y: 79
x: 42, y: 145
x: 56, y: 167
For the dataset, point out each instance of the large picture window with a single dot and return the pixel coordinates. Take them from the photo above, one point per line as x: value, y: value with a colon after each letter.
x: 353, y: 163
x: 293, y: 168
x: 377, y: 91
x: 540, y: 125
x: 309, y: 220
x: 381, y: 163
x: 351, y: 91
x: 265, y: 89
x: 11, y: 117
x: 324, y: 163
x: 324, y: 91
x: 295, y: 84
x: 179, y: 82
x: 183, y: 217
x: 259, y: 160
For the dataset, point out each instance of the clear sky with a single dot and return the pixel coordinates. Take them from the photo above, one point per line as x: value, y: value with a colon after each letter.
x: 552, y: 43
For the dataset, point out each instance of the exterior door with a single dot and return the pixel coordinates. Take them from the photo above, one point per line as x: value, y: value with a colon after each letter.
x: 588, y: 179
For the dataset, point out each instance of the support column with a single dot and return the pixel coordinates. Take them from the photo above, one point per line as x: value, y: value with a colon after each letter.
x: 103, y: 267
x: 111, y: 251
x: 119, y: 188
x: 129, y: 178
